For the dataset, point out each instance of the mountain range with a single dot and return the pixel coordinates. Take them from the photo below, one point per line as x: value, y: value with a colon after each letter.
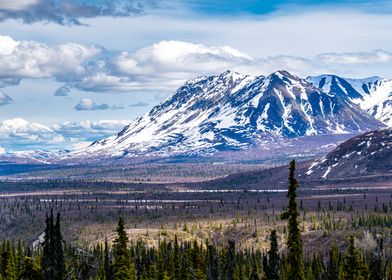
x: 232, y: 111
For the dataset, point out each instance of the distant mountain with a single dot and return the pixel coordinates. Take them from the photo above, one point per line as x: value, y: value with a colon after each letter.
x: 364, y: 155
x: 373, y: 95
x: 233, y: 111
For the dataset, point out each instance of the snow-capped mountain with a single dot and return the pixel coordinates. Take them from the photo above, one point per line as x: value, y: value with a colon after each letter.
x: 364, y: 155
x: 234, y: 111
x: 373, y: 95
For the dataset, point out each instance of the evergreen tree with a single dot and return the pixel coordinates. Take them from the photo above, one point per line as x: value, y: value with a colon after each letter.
x: 58, y: 250
x: 376, y: 268
x: 230, y: 261
x: 176, y: 260
x: 272, y: 269
x: 53, y: 266
x: 47, y: 261
x: 9, y: 265
x: 213, y: 271
x: 354, y: 268
x: 123, y: 267
x: 106, y: 261
x: 30, y: 270
x: 294, y: 243
x: 333, y: 265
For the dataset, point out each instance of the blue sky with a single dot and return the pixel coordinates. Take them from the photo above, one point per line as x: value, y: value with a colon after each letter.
x: 75, y: 71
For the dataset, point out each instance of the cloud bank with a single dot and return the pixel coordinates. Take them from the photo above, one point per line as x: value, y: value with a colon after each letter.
x: 20, y: 134
x: 30, y: 59
x: 162, y: 66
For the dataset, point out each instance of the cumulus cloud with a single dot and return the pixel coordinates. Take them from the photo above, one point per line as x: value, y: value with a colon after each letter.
x: 20, y: 134
x: 5, y: 99
x: 30, y: 59
x: 167, y: 64
x: 87, y: 104
x: 162, y: 66
x: 18, y: 131
x: 70, y: 11
x: 2, y: 150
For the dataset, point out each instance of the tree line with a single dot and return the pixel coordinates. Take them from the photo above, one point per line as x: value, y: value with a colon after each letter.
x: 175, y: 259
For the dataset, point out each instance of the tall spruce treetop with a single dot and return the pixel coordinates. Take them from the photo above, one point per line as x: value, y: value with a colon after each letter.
x: 53, y: 266
x: 123, y: 265
x: 294, y: 243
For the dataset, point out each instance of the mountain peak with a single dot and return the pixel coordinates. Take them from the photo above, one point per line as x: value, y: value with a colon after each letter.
x: 233, y: 111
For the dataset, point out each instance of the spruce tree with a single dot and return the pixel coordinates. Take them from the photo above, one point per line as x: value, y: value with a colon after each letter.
x: 123, y: 266
x: 10, y: 264
x: 47, y: 261
x: 58, y: 250
x: 354, y: 268
x: 333, y: 265
x: 230, y: 260
x: 106, y: 261
x: 213, y: 271
x: 376, y: 268
x: 53, y: 266
x: 30, y: 270
x: 294, y: 243
x: 272, y: 270
x: 176, y: 260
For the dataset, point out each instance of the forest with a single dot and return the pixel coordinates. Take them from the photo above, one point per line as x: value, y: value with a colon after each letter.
x: 121, y: 257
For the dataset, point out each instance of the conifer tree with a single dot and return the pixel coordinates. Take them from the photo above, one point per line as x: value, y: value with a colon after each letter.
x: 213, y: 271
x: 354, y: 268
x: 53, y: 266
x: 333, y: 265
x: 30, y: 270
x: 273, y: 258
x: 58, y: 250
x: 47, y: 255
x: 106, y: 260
x: 230, y: 261
x: 123, y: 266
x: 376, y: 268
x: 176, y: 260
x: 10, y: 265
x: 294, y: 243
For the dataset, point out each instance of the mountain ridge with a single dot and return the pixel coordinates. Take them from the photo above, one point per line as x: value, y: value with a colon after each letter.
x: 233, y: 111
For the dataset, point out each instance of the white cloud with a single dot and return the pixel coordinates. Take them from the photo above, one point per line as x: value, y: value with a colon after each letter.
x: 87, y: 104
x: 2, y: 150
x: 20, y: 131
x: 20, y: 134
x: 30, y: 59
x: 161, y: 66
x: 5, y: 99
x: 377, y: 56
